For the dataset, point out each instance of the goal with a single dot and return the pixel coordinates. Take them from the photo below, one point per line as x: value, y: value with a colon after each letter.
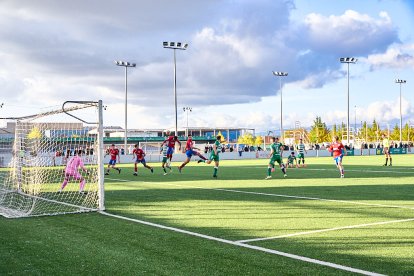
x: 34, y: 151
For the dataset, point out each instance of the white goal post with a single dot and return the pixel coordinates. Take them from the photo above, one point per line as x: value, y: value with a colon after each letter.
x: 34, y: 180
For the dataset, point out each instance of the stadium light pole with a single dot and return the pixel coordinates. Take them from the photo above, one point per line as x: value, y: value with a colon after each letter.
x: 280, y: 75
x: 400, y: 82
x: 355, y: 128
x: 126, y: 65
x: 187, y: 109
x: 175, y: 46
x: 268, y: 133
x: 348, y: 60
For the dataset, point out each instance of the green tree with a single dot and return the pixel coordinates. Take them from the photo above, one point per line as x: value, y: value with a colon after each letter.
x: 223, y: 139
x: 334, y: 131
x: 395, y: 133
x: 319, y: 132
x: 408, y: 133
x: 35, y: 133
x: 246, y: 139
x: 364, y: 132
x: 258, y: 141
x: 374, y: 132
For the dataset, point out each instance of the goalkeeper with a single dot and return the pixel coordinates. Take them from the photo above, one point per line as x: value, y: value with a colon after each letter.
x: 72, y: 172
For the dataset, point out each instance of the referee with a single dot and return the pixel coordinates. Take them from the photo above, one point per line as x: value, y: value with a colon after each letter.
x: 386, y: 150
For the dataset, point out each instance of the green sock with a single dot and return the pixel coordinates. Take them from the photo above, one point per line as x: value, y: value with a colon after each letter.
x: 215, y: 171
x: 164, y: 170
x: 269, y: 171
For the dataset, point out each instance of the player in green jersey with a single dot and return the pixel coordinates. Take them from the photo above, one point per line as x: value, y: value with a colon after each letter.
x: 214, y: 156
x: 301, y: 152
x: 165, y: 159
x: 275, y: 156
x: 291, y: 158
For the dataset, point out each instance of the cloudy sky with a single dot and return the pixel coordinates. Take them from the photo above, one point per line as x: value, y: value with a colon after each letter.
x: 52, y: 51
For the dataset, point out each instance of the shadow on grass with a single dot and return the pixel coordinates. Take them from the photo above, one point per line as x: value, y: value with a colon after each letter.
x: 257, y: 172
x: 163, y: 206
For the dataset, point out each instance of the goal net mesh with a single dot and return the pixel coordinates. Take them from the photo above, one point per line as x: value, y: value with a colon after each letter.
x: 34, y: 157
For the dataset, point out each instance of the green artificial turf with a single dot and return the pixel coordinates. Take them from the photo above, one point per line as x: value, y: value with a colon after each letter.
x: 239, y: 205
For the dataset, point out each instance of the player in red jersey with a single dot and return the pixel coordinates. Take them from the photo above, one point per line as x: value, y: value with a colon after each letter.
x: 189, y: 151
x: 170, y: 141
x: 338, y: 151
x: 139, y: 156
x: 114, y: 153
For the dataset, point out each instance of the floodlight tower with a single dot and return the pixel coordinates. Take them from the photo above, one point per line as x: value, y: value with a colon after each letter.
x: 400, y: 82
x: 187, y: 109
x: 280, y: 75
x: 175, y: 46
x: 355, y: 119
x: 348, y: 60
x: 126, y: 65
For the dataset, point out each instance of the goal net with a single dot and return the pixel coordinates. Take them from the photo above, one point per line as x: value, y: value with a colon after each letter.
x: 34, y: 153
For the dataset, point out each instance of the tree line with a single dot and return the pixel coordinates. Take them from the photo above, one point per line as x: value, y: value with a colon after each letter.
x: 320, y: 132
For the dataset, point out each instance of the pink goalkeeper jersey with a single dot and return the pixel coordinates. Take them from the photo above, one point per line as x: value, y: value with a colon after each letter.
x: 74, y: 163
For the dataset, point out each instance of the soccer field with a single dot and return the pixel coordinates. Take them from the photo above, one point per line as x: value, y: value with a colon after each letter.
x: 310, y: 223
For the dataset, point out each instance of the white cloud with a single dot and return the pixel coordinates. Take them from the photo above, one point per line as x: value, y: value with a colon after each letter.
x: 381, y: 111
x: 398, y: 56
x: 52, y: 51
x: 351, y: 33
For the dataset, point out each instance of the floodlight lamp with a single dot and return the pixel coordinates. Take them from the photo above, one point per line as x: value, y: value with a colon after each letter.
x: 348, y: 60
x: 172, y: 44
x: 165, y: 43
x: 280, y: 74
x: 178, y: 44
x: 185, y: 45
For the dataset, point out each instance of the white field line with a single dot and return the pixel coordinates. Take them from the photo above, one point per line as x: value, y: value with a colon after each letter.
x: 314, y: 169
x: 397, y: 172
x: 258, y: 248
x: 274, y: 195
x: 315, y: 198
x: 120, y: 180
x: 327, y: 230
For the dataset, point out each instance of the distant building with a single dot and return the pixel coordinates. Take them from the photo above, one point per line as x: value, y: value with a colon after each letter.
x: 8, y: 131
x: 115, y: 134
x: 199, y: 133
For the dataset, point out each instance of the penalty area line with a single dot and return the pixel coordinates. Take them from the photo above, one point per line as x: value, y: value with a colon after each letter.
x: 239, y: 244
x: 327, y: 230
